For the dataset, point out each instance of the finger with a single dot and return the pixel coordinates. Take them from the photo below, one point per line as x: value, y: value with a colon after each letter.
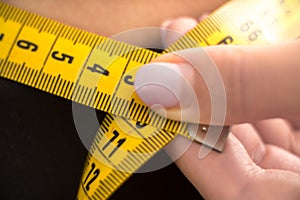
x: 231, y: 168
x: 278, y: 158
x: 204, y: 16
x: 251, y: 141
x: 278, y: 132
x: 295, y: 122
x: 248, y: 74
x: 265, y: 156
x: 182, y: 25
x: 297, y: 143
x: 274, y: 184
x: 173, y: 29
x: 234, y: 169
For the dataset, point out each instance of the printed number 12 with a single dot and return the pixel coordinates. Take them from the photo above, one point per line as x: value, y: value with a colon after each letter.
x: 96, y: 174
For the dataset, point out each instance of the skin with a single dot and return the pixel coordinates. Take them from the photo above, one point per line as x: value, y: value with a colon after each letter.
x: 98, y: 16
x: 260, y: 160
x: 255, y: 70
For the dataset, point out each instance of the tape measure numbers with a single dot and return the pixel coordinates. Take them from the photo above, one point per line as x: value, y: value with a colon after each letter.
x: 51, y: 56
x: 231, y: 24
x: 48, y: 55
x: 110, y: 168
x: 64, y: 61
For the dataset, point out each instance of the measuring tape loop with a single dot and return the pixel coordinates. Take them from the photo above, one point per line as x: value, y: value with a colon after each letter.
x: 99, y: 72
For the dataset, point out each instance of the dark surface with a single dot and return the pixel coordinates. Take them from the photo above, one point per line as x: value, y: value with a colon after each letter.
x: 42, y: 156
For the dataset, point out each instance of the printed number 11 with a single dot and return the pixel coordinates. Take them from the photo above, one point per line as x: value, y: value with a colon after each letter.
x: 119, y: 143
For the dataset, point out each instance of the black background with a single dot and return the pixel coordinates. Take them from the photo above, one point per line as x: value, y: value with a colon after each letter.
x: 41, y: 155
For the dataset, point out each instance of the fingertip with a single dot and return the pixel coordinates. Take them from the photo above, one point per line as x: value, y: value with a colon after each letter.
x: 173, y: 29
x: 181, y: 24
x: 278, y: 158
x: 161, y: 83
x: 231, y: 167
x: 166, y: 23
x: 251, y: 141
x: 203, y: 16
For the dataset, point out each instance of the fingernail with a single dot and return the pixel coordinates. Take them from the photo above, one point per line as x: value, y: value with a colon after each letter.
x: 296, y: 145
x: 258, y: 154
x: 203, y: 16
x: 168, y: 36
x: 160, y: 84
x: 164, y: 32
x: 166, y: 23
x: 173, y: 29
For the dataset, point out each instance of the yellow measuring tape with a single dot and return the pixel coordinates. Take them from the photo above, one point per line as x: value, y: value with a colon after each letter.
x: 99, y: 72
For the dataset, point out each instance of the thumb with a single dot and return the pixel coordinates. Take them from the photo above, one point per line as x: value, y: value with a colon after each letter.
x: 259, y: 82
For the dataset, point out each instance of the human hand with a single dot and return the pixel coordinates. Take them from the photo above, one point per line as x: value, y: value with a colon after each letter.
x: 260, y: 160
x: 260, y: 82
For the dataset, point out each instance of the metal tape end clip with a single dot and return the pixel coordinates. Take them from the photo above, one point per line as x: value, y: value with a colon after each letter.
x: 209, y: 135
